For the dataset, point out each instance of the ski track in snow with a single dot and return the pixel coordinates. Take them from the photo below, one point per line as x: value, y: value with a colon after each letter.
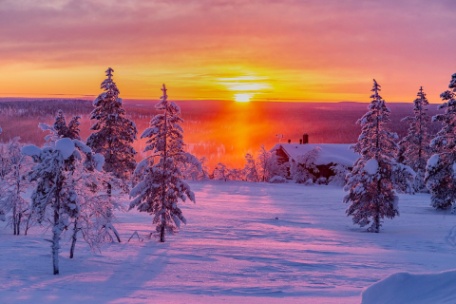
x: 244, y: 243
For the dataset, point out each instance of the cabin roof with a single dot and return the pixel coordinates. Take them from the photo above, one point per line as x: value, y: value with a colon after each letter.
x: 329, y: 153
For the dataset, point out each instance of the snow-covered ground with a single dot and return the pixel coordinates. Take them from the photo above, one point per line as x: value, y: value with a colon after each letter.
x: 412, y: 288
x: 244, y: 243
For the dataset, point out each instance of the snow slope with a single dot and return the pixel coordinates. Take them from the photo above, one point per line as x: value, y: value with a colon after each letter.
x: 244, y: 243
x: 409, y: 288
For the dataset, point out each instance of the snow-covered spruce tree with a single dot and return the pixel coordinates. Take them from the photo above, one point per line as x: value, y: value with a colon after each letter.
x: 73, y: 128
x: 250, y: 171
x: 113, y: 133
x: 61, y: 128
x: 441, y: 167
x: 416, y: 145
x: 60, y: 125
x: 370, y: 189
x: 160, y: 185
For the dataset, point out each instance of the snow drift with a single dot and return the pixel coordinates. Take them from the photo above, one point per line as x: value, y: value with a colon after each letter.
x: 404, y: 287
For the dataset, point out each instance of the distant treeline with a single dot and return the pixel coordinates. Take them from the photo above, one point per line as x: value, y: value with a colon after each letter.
x: 214, y: 129
x: 20, y: 117
x: 44, y: 107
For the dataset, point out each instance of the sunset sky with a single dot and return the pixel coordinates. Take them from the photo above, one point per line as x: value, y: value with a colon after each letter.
x: 285, y: 50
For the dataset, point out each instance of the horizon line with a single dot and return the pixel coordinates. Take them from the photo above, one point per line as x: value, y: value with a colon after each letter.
x: 275, y: 100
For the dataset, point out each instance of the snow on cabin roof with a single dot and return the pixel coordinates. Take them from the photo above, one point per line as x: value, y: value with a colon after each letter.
x: 329, y: 153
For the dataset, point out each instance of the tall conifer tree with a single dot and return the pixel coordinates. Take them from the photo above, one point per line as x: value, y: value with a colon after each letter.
x: 416, y: 145
x: 370, y: 188
x: 160, y: 184
x: 113, y: 134
x: 441, y: 167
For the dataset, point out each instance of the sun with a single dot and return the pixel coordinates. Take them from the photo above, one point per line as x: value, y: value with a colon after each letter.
x: 242, y: 97
x: 245, y: 88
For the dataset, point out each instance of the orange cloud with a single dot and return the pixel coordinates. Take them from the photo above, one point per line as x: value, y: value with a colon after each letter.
x: 308, y: 50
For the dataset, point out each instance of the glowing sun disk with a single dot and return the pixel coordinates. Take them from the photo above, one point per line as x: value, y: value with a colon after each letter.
x: 242, y: 97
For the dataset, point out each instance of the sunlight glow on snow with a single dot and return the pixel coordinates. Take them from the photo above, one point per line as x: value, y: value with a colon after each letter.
x: 244, y: 243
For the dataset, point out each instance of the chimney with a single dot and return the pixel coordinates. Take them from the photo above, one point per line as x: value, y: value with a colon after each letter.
x: 289, y: 141
x: 305, y: 138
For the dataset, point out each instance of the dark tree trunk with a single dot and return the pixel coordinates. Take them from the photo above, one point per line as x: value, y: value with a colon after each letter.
x: 109, y: 190
x: 74, y: 238
x: 109, y: 224
x: 15, y: 232
x: 57, y: 229
x: 164, y: 182
x: 27, y: 224
x: 18, y: 223
x: 377, y: 221
x: 377, y: 209
x: 377, y: 206
x: 55, y: 240
x: 162, y: 233
x: 14, y: 226
x: 114, y: 230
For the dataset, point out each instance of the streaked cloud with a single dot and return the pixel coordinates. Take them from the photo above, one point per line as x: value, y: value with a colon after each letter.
x: 326, y: 44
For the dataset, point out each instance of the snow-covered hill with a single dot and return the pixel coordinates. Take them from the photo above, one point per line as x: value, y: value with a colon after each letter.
x: 244, y: 243
x: 412, y: 288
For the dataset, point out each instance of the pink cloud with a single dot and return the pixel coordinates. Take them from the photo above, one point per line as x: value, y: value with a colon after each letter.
x: 366, y: 38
